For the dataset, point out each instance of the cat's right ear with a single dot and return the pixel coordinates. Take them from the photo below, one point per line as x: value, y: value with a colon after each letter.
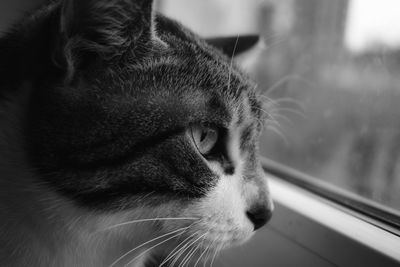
x: 103, y: 30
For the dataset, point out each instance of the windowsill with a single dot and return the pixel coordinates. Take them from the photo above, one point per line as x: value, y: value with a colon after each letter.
x: 309, y: 230
x: 329, y: 231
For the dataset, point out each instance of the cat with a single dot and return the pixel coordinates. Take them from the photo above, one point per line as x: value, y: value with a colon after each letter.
x: 125, y: 139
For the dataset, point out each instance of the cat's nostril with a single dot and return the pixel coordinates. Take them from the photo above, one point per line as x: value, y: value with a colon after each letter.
x: 259, y: 216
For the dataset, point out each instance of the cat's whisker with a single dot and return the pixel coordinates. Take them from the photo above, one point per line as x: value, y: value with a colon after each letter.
x: 184, y: 248
x: 289, y: 100
x: 158, y: 244
x: 217, y: 250
x: 290, y: 110
x: 193, y: 250
x: 277, y: 84
x: 187, y: 249
x: 231, y: 62
x: 185, y: 258
x: 199, y: 246
x: 176, y: 250
x: 201, y: 255
x: 269, y: 114
x: 209, y: 248
x: 206, y: 255
x: 279, y: 133
x: 273, y: 123
x: 213, y: 258
x: 276, y: 103
x: 271, y: 120
x: 271, y: 35
x: 147, y: 242
x: 280, y: 82
x: 281, y: 116
x: 148, y: 220
x: 278, y: 40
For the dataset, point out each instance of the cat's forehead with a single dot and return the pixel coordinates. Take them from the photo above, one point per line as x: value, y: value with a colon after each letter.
x: 190, y: 75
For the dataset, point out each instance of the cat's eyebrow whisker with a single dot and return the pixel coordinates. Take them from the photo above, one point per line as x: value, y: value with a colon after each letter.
x: 273, y: 123
x: 277, y: 84
x: 293, y: 101
x: 270, y: 116
x: 271, y: 35
x: 148, y: 220
x: 280, y: 116
x: 280, y: 82
x: 277, y: 41
x: 290, y: 110
x: 281, y: 100
x: 180, y: 231
x: 279, y: 133
x: 156, y: 245
x: 264, y: 111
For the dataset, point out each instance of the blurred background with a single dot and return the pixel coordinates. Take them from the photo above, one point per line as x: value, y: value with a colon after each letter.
x: 332, y: 67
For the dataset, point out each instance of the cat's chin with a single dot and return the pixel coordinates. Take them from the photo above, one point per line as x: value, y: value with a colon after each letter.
x: 193, y: 248
x: 221, y: 237
x: 225, y: 240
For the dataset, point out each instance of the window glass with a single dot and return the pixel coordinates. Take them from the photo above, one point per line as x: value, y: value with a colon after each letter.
x: 331, y: 68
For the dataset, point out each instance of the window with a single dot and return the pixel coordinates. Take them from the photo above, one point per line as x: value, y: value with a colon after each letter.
x: 337, y: 81
x: 331, y: 69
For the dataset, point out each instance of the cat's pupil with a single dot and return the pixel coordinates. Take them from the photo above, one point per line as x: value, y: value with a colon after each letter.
x: 203, y: 135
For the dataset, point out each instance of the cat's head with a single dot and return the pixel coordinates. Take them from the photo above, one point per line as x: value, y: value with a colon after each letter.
x: 139, y: 118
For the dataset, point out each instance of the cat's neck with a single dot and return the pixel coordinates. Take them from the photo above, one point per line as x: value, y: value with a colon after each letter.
x: 38, y: 225
x: 25, y: 218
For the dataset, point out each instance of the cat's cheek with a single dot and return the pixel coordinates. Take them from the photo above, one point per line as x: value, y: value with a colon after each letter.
x: 222, y: 213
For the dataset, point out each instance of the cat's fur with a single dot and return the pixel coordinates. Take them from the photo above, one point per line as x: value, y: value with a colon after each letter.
x: 97, y: 98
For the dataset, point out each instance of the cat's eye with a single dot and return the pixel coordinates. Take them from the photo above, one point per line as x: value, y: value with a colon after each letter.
x: 204, y: 138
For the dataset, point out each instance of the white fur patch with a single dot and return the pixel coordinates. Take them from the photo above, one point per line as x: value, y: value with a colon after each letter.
x: 222, y: 212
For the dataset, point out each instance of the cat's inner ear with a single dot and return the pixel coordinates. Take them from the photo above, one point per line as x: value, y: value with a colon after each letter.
x: 234, y: 45
x: 106, y: 28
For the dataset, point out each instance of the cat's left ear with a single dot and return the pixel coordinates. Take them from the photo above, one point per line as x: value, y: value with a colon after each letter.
x: 234, y: 45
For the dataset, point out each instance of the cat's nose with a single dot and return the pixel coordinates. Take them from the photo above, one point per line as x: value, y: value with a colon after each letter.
x: 259, y: 215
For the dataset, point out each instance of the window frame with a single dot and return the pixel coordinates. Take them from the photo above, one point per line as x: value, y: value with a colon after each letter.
x: 374, y: 213
x: 328, y: 228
